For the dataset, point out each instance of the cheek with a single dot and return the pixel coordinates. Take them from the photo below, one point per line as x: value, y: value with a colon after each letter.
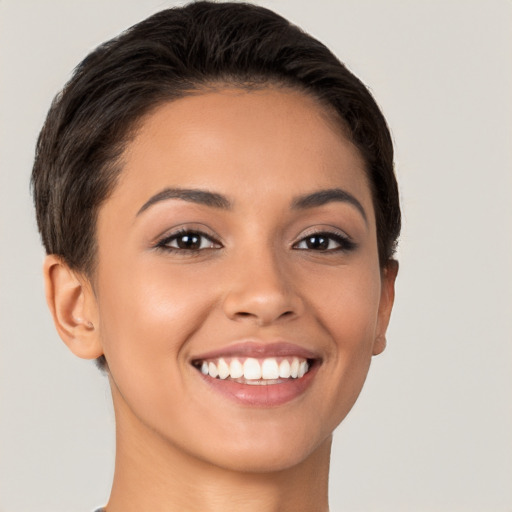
x: 145, y: 323
x: 147, y: 317
x: 348, y: 312
x: 347, y: 304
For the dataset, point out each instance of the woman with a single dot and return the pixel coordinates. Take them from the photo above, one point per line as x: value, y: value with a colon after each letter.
x: 215, y: 193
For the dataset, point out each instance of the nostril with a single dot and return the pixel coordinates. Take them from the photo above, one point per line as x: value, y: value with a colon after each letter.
x: 262, y: 305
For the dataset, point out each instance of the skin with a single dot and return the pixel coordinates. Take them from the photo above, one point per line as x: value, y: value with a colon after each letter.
x: 150, y: 310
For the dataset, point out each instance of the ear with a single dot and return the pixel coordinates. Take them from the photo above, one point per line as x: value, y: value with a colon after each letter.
x: 387, y: 297
x: 73, y: 306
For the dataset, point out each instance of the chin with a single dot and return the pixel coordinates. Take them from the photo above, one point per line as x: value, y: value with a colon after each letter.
x: 261, y: 446
x: 265, y: 457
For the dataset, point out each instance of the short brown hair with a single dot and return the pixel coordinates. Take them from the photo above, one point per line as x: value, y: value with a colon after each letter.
x: 162, y: 58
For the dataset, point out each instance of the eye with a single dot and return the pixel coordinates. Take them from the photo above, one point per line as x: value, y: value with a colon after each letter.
x: 325, y: 242
x: 188, y: 240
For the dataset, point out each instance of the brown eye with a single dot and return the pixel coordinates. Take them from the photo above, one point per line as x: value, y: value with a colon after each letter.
x: 317, y: 242
x: 188, y: 241
x: 325, y: 242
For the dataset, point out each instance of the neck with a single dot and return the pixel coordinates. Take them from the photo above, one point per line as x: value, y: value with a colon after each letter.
x: 153, y: 475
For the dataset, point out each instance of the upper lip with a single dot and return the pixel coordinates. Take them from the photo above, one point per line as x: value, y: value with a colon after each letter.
x: 257, y: 349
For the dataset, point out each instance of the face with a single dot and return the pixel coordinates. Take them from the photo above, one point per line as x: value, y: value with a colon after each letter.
x: 238, y: 292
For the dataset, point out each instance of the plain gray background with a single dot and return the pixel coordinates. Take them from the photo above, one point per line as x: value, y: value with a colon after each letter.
x: 432, y: 428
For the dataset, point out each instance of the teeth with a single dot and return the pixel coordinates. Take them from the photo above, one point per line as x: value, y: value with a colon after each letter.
x: 294, y: 368
x: 212, y: 370
x: 223, y: 368
x: 303, y: 368
x: 268, y: 370
x: 236, y: 369
x: 284, y: 369
x: 252, y: 369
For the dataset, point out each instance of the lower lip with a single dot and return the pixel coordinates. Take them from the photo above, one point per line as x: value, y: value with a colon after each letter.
x: 265, y: 395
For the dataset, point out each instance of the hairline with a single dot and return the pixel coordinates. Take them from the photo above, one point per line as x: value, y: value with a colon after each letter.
x: 115, y: 166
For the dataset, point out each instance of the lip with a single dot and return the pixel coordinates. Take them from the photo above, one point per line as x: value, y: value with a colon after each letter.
x: 259, y: 350
x: 265, y: 395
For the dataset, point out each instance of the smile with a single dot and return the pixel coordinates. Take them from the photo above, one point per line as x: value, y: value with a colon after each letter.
x: 256, y: 374
x: 255, y: 371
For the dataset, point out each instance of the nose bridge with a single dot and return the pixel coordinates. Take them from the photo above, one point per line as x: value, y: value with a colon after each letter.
x: 260, y: 288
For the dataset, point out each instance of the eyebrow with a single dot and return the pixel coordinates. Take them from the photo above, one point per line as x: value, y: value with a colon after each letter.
x: 215, y: 200
x: 322, y: 197
x: 197, y: 196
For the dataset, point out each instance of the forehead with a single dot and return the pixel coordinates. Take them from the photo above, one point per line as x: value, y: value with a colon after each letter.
x: 275, y: 141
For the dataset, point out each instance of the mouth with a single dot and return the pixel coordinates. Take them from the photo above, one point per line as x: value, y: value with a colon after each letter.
x: 255, y: 371
x: 259, y: 375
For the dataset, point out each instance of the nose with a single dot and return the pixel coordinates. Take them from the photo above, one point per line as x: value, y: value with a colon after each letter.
x: 261, y: 291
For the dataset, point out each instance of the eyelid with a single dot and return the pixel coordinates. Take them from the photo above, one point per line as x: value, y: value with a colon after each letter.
x: 197, y: 227
x: 323, y: 229
x: 201, y: 230
x: 346, y: 242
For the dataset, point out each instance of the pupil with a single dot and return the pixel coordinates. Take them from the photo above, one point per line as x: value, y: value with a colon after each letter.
x: 188, y: 242
x: 318, y: 242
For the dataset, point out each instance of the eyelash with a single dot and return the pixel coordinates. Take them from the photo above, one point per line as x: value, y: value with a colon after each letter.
x: 344, y: 244
x: 164, y: 244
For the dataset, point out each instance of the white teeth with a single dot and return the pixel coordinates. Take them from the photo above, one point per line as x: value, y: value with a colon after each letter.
x: 268, y: 370
x: 284, y: 369
x: 212, y: 370
x: 252, y: 369
x: 303, y: 368
x: 223, y: 368
x: 294, y: 368
x: 236, y: 369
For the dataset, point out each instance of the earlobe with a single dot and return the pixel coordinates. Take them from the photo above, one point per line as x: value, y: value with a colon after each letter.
x: 379, y: 345
x: 73, y: 306
x: 387, y: 298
